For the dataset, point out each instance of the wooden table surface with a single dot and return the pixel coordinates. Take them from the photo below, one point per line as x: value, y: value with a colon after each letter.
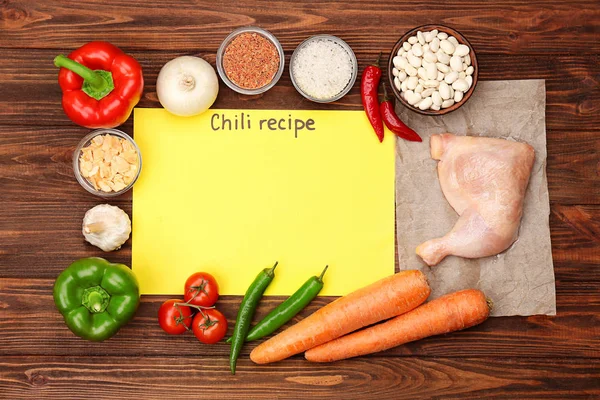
x: 42, y: 204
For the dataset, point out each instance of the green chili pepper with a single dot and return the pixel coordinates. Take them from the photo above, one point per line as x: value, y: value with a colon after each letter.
x: 246, y: 312
x: 288, y: 309
x: 96, y: 297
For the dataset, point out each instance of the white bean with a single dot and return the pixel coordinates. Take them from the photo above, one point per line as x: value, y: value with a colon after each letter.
x: 422, y: 73
x: 470, y: 70
x: 437, y: 99
x: 417, y: 49
x: 444, y: 90
x: 453, y: 40
x: 403, y: 86
x: 427, y: 92
x: 451, y: 91
x: 462, y: 75
x: 426, y: 103
x: 402, y: 94
x: 402, y: 76
x: 415, y: 98
x: 442, y: 35
x: 430, y: 57
x: 440, y: 76
x: 434, y: 33
x: 460, y: 84
x: 421, y: 81
x: 431, y: 71
x: 397, y: 83
x: 443, y: 68
x: 427, y: 36
x: 469, y: 80
x: 434, y: 45
x: 400, y: 62
x: 443, y: 57
x: 412, y: 40
x: 410, y: 70
x: 395, y: 71
x: 435, y: 107
x: 468, y: 59
x: 432, y: 83
x: 447, y: 47
x: 461, y: 50
x: 414, y: 61
x: 425, y: 47
x: 420, y: 37
x: 458, y: 96
x: 412, y: 82
x: 451, y: 77
x: 419, y: 89
x: 406, y: 46
x: 447, y: 103
x: 455, y: 63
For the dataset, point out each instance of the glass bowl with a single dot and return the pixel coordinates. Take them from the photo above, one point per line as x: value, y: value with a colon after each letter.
x: 267, y: 35
x: 86, y: 142
x: 346, y: 47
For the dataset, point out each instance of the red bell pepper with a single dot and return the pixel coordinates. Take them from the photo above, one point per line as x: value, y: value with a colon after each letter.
x: 100, y: 85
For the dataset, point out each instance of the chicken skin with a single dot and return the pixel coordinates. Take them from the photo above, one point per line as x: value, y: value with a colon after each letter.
x: 484, y: 180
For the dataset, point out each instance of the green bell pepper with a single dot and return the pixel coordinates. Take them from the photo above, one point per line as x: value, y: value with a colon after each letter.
x: 96, y: 297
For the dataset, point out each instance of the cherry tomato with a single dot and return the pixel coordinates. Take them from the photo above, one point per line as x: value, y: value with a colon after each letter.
x: 209, y: 326
x: 174, y: 318
x: 201, y: 289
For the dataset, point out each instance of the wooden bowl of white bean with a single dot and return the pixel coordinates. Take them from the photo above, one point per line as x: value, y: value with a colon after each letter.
x: 433, y: 69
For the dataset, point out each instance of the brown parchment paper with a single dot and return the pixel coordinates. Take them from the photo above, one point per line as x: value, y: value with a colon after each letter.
x: 520, y: 281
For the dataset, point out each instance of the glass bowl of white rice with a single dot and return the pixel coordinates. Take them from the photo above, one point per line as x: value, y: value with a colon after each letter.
x: 323, y: 68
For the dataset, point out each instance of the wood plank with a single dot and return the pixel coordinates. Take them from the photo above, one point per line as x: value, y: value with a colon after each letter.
x: 208, y: 377
x: 31, y: 95
x: 499, y: 27
x: 32, y: 326
x: 41, y: 239
x: 55, y: 227
x: 36, y: 165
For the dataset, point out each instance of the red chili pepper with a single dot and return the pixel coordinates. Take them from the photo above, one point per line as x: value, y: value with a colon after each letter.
x: 100, y: 85
x: 392, y: 121
x: 369, y: 93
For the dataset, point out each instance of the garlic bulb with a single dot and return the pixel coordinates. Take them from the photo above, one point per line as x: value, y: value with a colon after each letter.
x: 106, y: 227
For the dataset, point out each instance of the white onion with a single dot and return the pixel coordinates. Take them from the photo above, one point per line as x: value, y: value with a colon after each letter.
x: 187, y: 86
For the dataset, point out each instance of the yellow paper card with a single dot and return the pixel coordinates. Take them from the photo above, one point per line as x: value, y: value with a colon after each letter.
x: 230, y: 192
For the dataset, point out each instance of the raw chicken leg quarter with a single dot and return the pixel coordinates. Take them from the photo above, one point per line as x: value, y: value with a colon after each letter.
x: 484, y: 180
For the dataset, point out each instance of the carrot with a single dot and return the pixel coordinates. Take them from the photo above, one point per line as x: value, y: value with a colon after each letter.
x: 448, y: 313
x: 381, y: 300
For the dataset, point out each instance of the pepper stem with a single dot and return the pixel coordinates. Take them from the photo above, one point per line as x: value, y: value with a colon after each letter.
x: 386, y: 97
x: 271, y: 271
x: 97, y: 84
x: 95, y: 299
x: 323, y: 273
x: 378, y: 60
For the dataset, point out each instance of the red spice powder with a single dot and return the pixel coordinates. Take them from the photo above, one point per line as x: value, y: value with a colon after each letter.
x: 251, y: 60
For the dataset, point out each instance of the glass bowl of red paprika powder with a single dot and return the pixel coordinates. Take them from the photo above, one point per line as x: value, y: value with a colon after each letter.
x: 250, y: 60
